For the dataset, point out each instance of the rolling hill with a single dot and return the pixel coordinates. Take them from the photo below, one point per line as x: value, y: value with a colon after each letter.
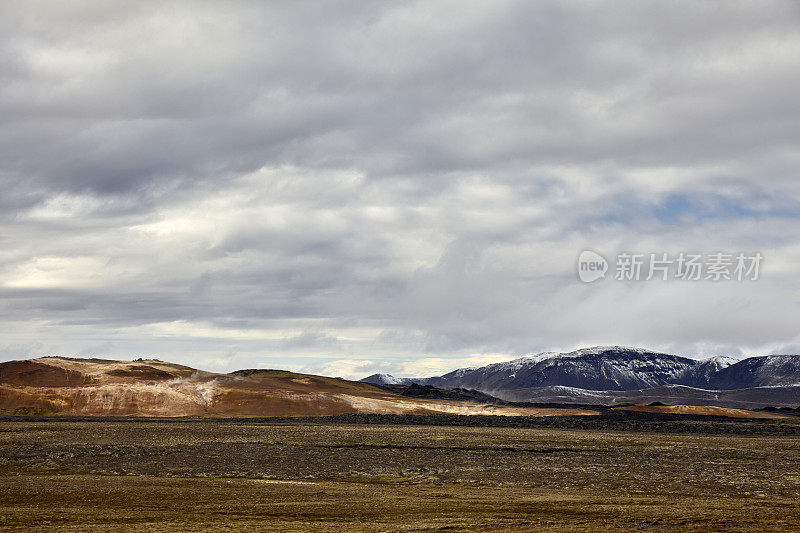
x: 57, y: 385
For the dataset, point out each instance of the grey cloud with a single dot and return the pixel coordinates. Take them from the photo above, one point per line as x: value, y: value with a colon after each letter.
x: 389, y: 90
x: 390, y: 180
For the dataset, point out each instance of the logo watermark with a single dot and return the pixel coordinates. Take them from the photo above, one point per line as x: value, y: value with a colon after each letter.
x: 591, y: 266
x: 683, y: 266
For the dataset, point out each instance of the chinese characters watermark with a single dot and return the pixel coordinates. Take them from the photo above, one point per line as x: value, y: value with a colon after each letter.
x: 683, y: 266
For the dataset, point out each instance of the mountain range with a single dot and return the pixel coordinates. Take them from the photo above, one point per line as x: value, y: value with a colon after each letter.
x: 594, y: 376
x: 615, y: 374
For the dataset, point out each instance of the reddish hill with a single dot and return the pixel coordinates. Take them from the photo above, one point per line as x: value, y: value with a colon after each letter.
x: 55, y: 385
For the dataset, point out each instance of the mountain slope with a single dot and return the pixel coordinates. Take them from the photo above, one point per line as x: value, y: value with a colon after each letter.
x: 766, y: 371
x: 748, y: 398
x: 601, y: 368
x: 611, y: 368
x: 155, y: 388
x: 701, y: 374
x: 595, y: 375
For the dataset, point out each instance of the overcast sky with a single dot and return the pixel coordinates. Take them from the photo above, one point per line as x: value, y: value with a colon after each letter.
x: 352, y: 187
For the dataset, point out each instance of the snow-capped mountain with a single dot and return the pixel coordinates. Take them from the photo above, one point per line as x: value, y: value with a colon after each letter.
x: 613, y: 368
x: 700, y: 375
x: 606, y: 368
x: 766, y: 371
x: 387, y: 379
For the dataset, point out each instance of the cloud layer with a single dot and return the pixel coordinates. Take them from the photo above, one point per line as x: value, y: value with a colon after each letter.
x: 349, y: 187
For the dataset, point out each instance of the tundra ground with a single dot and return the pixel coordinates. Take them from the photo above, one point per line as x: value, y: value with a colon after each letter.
x: 297, y: 476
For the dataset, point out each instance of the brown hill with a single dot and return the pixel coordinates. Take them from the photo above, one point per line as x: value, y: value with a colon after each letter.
x: 56, y: 385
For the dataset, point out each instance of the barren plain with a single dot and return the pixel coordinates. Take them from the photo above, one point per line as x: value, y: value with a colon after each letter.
x: 427, y: 474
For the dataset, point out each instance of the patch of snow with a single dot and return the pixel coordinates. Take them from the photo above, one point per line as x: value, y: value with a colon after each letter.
x: 720, y: 361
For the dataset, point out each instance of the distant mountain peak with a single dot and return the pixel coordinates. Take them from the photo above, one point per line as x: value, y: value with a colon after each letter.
x: 613, y: 368
x: 384, y: 379
x: 631, y: 352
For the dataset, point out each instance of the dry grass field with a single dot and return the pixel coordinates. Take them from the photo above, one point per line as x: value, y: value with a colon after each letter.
x: 158, y: 475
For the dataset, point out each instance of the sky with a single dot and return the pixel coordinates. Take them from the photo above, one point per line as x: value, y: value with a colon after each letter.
x: 346, y: 188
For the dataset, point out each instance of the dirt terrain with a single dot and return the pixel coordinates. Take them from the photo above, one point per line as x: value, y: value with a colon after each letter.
x: 704, y: 410
x: 54, y: 385
x: 325, y: 475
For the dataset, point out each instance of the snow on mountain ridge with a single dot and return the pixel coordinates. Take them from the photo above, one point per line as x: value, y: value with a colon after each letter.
x: 720, y: 360
x: 543, y: 356
x: 614, y: 368
x: 385, y: 379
